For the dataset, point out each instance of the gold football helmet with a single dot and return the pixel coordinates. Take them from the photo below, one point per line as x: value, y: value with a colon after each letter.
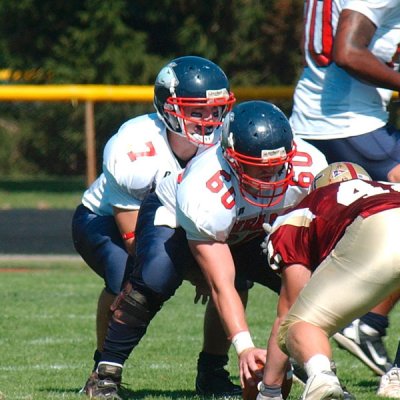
x: 339, y: 172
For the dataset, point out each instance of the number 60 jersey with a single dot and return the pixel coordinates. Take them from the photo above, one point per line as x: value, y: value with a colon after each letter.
x: 207, y: 202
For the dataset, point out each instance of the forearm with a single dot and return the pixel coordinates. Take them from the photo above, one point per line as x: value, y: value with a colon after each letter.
x: 232, y: 314
x: 366, y: 67
x: 276, y: 365
x: 351, y: 51
x: 126, y: 222
x: 215, y: 260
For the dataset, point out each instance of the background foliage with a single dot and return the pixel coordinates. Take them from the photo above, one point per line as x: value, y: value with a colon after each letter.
x: 127, y: 42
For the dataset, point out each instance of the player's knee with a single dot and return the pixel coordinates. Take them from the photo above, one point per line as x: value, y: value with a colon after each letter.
x: 394, y: 174
x: 283, y: 333
x: 136, y: 308
x: 161, y: 279
x: 113, y: 286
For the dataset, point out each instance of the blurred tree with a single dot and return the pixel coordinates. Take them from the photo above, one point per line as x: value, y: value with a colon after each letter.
x: 126, y: 42
x: 103, y: 48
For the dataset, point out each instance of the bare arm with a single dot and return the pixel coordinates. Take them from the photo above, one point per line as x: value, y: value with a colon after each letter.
x: 126, y: 222
x: 217, y: 264
x: 215, y: 260
x: 354, y: 33
x: 294, y: 279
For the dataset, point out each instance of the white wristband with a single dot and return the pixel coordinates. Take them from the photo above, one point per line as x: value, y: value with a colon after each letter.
x: 242, y: 341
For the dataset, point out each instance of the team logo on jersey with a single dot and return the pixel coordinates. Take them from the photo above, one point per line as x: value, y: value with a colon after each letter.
x: 251, y: 224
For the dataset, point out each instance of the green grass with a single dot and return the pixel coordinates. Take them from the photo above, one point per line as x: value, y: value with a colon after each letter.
x: 47, y: 337
x: 41, y: 193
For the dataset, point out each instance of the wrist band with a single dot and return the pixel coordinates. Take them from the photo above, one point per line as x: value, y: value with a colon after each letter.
x: 242, y: 341
x: 128, y: 235
x: 273, y: 391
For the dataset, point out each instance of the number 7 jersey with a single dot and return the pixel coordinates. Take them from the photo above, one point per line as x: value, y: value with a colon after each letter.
x: 135, y: 160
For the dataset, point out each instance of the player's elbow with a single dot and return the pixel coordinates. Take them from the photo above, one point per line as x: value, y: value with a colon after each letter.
x: 344, y: 58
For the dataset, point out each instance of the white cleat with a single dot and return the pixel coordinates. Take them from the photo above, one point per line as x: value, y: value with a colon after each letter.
x: 389, y: 385
x: 323, y: 386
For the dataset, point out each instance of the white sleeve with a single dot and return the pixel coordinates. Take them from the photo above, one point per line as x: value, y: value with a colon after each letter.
x: 118, y: 195
x: 374, y: 10
x: 192, y: 230
x: 128, y: 180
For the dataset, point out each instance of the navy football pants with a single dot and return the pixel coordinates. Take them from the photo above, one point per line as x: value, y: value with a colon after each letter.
x: 163, y: 259
x: 98, y: 240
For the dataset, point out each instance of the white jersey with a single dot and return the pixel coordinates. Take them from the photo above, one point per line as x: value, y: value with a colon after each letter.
x: 328, y: 102
x: 209, y: 205
x: 135, y: 159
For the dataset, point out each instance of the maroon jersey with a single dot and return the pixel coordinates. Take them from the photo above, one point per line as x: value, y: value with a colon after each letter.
x: 307, y: 233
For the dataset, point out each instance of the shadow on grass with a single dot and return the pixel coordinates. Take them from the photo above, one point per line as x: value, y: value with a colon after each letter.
x: 127, y: 394
x: 367, y: 385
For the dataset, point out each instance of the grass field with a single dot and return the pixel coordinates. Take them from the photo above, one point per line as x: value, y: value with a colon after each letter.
x: 47, y: 337
x: 45, y: 192
x: 47, y: 323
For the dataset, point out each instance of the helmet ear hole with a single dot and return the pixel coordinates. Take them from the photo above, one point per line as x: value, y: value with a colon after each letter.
x: 339, y: 172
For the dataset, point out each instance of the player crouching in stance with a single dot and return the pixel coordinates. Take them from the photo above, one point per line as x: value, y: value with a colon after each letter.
x: 342, y: 238
x: 208, y: 220
x: 191, y: 96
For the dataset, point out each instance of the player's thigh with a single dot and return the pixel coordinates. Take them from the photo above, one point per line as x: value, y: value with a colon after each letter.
x: 161, y: 252
x: 98, y: 241
x: 362, y: 269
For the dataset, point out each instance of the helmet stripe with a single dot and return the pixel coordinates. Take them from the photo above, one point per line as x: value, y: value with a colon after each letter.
x: 352, y: 170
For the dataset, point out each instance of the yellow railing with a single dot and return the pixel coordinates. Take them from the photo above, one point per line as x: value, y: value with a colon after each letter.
x: 121, y: 93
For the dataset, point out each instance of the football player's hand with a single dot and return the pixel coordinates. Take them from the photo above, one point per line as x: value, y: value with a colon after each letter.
x: 268, y: 229
x: 202, y: 293
x: 249, y: 364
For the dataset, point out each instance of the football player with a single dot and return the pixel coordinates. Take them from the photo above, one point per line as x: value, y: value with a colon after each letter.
x: 349, y: 216
x: 214, y: 211
x: 341, y: 107
x: 191, y: 97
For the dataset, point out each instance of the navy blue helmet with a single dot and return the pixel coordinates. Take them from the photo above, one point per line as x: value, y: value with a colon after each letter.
x: 257, y: 142
x: 184, y: 89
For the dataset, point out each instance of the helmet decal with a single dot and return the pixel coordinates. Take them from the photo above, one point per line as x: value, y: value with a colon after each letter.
x: 231, y: 143
x: 339, y: 172
x: 168, y: 78
x: 275, y: 153
x: 220, y: 93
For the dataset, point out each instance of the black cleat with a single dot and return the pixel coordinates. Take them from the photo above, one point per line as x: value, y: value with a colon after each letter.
x: 365, y: 343
x: 216, y: 383
x: 213, y: 379
x: 106, y: 384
